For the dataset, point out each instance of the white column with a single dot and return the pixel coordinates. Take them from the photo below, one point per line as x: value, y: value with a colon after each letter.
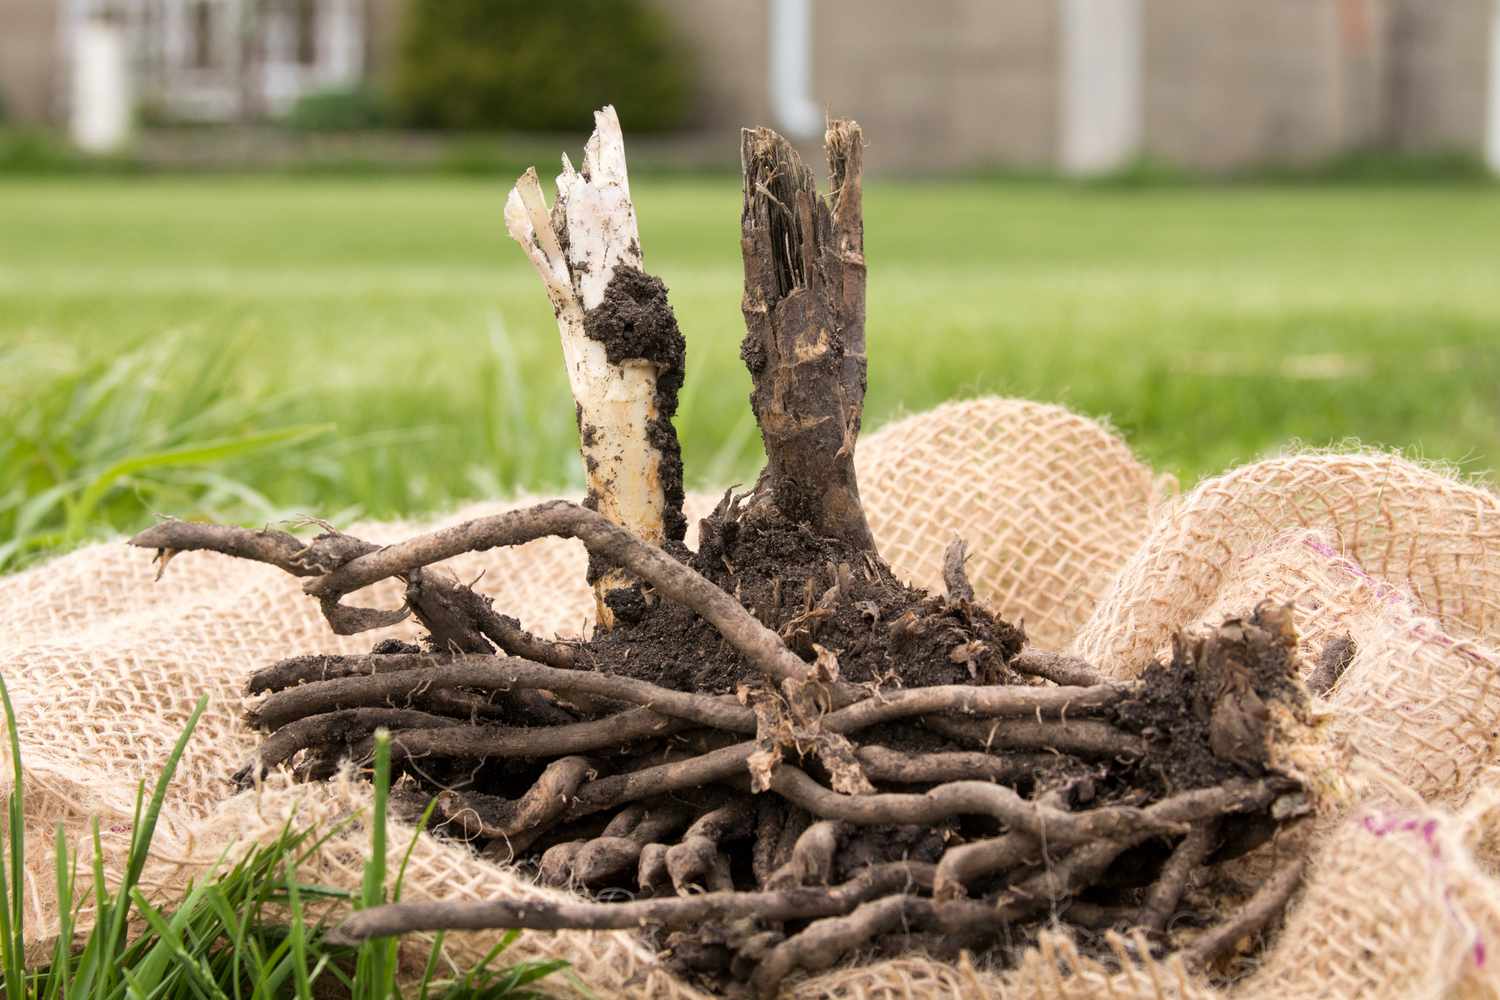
x: 341, y: 44
x: 281, y: 76
x: 174, y: 31
x: 790, y: 41
x: 1492, y: 113
x: 101, y: 86
x: 1103, y: 107
x: 232, y: 32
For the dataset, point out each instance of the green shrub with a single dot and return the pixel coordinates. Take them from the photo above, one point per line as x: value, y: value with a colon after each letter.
x: 347, y: 109
x: 31, y: 151
x: 34, y: 152
x: 518, y: 64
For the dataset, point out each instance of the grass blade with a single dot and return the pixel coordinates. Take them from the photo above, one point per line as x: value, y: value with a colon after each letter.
x: 82, y: 509
x: 298, y: 934
x: 375, y: 969
x: 434, y: 954
x: 13, y: 896
x: 406, y: 858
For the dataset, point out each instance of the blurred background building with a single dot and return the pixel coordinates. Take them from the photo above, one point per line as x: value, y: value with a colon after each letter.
x: 952, y: 84
x: 203, y: 60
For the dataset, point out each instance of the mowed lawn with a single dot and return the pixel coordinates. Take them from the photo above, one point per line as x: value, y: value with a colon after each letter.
x: 1209, y: 325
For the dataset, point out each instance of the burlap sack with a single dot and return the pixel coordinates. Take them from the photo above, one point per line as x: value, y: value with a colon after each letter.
x: 1068, y: 532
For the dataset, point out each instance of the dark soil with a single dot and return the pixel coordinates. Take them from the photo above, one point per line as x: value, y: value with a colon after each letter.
x: 1336, y: 657
x: 818, y: 593
x: 1205, y: 711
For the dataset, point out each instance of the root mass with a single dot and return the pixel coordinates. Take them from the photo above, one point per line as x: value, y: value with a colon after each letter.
x: 783, y: 752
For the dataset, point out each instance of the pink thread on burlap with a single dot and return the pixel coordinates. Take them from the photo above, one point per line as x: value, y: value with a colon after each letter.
x: 1383, y: 826
x: 1390, y: 594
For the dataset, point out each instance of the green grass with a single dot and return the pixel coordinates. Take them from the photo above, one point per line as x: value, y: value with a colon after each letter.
x: 1209, y: 323
x: 240, y: 933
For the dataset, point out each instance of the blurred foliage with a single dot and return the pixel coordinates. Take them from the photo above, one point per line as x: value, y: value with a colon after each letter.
x: 345, y: 109
x: 517, y: 64
x: 1378, y: 168
x: 35, y: 152
x: 27, y: 151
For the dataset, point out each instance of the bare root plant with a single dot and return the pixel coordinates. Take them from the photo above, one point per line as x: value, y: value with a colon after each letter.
x: 784, y: 753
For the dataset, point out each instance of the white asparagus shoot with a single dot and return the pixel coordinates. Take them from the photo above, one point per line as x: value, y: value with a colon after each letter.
x: 576, y: 249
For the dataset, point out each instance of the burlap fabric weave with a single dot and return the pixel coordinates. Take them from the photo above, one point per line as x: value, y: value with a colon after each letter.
x: 1069, y: 532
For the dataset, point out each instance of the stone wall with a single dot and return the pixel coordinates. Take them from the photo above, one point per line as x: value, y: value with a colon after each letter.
x: 1439, y: 73
x: 382, y: 35
x: 940, y: 85
x: 1228, y: 84
x: 1295, y: 81
x: 964, y: 83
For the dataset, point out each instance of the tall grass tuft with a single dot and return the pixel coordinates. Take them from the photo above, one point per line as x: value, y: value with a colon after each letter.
x: 241, y: 933
x: 97, y: 448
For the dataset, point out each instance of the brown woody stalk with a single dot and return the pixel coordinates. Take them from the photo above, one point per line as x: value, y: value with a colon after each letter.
x: 804, y: 312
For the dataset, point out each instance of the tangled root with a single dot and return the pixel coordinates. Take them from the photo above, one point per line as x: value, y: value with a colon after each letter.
x: 960, y: 814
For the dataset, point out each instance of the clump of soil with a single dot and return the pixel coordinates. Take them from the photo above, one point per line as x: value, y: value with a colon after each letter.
x: 814, y: 592
x: 1206, y: 712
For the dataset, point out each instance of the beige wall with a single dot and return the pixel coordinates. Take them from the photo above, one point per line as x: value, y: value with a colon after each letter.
x: 382, y: 35
x: 728, y: 42
x: 28, y: 59
x: 1296, y: 81
x: 950, y: 83
x: 1439, y: 72
x: 1228, y: 84
x: 958, y: 83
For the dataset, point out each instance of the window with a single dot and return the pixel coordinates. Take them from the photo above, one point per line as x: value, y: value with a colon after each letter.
x: 307, y: 32
x: 201, y: 51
